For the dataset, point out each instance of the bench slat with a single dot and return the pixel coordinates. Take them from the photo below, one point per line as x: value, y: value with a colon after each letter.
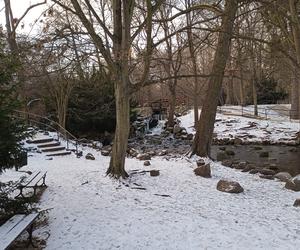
x: 14, y: 227
x: 12, y: 221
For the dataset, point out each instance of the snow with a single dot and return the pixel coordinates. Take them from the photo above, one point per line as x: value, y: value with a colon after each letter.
x: 235, y: 126
x: 88, y: 210
x: 177, y: 210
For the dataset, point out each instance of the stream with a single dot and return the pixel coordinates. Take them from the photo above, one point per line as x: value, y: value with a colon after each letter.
x: 286, y: 158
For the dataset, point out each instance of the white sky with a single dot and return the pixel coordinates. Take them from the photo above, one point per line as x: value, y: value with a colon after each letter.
x: 18, y: 8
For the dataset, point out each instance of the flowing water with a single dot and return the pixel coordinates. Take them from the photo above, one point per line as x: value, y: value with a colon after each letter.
x: 286, y: 158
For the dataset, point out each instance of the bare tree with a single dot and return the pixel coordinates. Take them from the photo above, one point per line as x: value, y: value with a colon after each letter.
x: 203, y: 137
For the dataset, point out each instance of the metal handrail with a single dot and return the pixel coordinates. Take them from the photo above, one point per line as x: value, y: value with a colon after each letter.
x: 261, y: 111
x: 65, y: 133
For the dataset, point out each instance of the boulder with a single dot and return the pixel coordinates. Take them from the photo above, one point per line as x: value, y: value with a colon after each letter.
x: 147, y: 163
x: 183, y: 137
x: 190, y: 137
x: 283, y: 176
x: 241, y: 165
x: 151, y: 153
x: 203, y: 171
x: 163, y: 152
x: 267, y: 171
x: 105, y: 152
x: 177, y: 129
x: 238, y: 141
x: 89, y: 156
x: 154, y: 173
x: 133, y: 153
x: 222, y: 156
x: 143, y: 157
x: 254, y: 171
x: 297, y: 203
x: 227, y: 163
x: 229, y: 187
x: 266, y: 176
x: 249, y: 167
x: 296, y: 180
x: 290, y: 184
x: 200, y: 162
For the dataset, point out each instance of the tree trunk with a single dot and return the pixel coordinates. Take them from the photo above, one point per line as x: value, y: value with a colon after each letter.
x: 194, y: 63
x: 229, y: 90
x: 121, y: 49
x: 117, y: 162
x: 295, y: 114
x: 172, y: 89
x: 254, y: 95
x: 205, y: 126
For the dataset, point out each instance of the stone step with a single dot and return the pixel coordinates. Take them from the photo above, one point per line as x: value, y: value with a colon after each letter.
x: 49, y: 145
x: 53, y: 149
x: 38, y: 141
x: 60, y: 153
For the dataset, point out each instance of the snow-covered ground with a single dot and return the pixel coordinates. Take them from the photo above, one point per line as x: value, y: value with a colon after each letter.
x: 277, y: 128
x: 88, y: 210
x: 176, y: 210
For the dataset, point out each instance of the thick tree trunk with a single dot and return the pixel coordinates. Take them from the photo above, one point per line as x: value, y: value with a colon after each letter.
x: 295, y: 112
x: 121, y: 47
x: 205, y: 126
x: 117, y: 162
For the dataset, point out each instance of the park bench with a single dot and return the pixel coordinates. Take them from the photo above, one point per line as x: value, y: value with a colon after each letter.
x: 14, y: 227
x: 37, y: 181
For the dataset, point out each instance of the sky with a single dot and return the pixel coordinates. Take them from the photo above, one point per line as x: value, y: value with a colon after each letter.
x: 18, y: 8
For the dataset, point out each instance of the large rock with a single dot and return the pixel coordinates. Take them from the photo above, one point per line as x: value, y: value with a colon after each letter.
x: 241, y: 165
x: 229, y: 187
x: 190, y: 137
x: 267, y: 176
x: 200, y: 162
x: 297, y: 203
x: 132, y: 152
x: 293, y: 184
x: 283, y: 176
x: 254, y: 171
x: 266, y: 171
x: 105, y: 152
x: 227, y: 163
x: 238, y: 141
x: 163, y: 152
x: 249, y: 167
x: 147, y: 163
x: 89, y: 156
x: 203, y: 171
x: 177, y: 129
x: 144, y: 157
x: 154, y: 173
x: 296, y: 180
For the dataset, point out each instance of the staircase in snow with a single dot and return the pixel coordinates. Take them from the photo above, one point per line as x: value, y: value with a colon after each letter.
x: 50, y: 146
